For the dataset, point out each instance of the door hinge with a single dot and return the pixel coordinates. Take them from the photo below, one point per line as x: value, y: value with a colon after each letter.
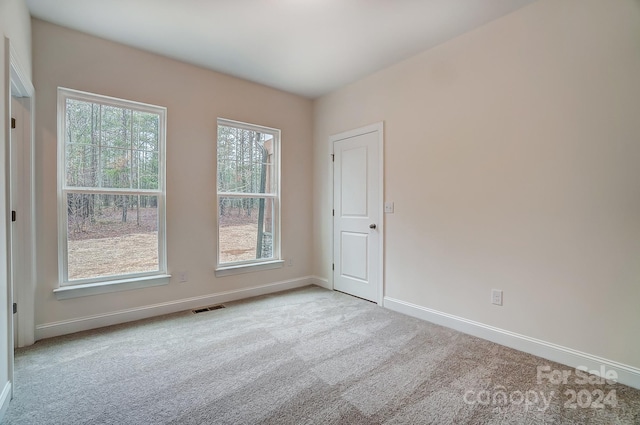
x: 15, y: 308
x: 333, y: 213
x: 13, y: 123
x: 333, y: 158
x: 333, y: 266
x: 13, y: 216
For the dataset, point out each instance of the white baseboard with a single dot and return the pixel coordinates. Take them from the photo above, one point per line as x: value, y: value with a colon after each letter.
x: 627, y: 375
x: 64, y: 327
x: 5, y: 398
x: 321, y: 282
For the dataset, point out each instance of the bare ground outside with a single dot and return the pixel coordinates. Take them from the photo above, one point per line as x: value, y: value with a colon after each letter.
x: 110, y: 247
x: 107, y: 246
x: 132, y: 253
x: 239, y: 234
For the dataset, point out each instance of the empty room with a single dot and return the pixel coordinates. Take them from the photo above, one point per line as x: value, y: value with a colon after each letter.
x: 305, y: 211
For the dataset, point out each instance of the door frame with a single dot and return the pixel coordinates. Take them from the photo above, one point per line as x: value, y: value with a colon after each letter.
x: 372, y: 128
x: 22, y: 235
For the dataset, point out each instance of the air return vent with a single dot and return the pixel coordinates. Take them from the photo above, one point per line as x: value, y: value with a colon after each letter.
x: 203, y: 309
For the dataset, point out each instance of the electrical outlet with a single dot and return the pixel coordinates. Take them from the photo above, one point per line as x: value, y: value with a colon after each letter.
x: 496, y: 296
x: 183, y: 277
x: 289, y: 262
x: 388, y: 207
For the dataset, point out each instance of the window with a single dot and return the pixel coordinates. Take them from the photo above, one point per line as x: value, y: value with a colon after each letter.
x: 248, y: 194
x: 111, y: 189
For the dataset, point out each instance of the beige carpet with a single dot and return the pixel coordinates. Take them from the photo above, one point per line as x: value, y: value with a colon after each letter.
x: 307, y: 356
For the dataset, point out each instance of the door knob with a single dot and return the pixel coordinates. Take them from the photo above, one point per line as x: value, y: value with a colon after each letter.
x: 372, y: 226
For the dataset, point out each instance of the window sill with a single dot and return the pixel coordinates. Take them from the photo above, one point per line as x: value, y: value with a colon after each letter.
x: 76, y: 291
x: 248, y: 268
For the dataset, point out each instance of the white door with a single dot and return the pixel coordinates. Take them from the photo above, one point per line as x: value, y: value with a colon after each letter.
x: 21, y: 232
x: 16, y: 137
x: 357, y: 227
x: 16, y: 166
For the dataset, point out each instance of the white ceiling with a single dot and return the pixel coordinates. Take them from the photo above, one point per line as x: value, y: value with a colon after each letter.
x: 307, y: 47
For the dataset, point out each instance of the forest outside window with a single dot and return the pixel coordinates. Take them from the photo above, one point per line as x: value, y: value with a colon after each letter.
x: 248, y: 195
x: 111, y: 189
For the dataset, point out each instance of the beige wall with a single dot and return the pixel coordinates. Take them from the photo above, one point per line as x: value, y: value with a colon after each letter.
x: 512, y: 155
x: 194, y: 98
x: 16, y: 26
x: 15, y: 23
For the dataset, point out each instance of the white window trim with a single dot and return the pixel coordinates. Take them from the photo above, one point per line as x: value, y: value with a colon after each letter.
x: 239, y: 267
x: 99, y: 285
x: 83, y: 290
x: 248, y: 268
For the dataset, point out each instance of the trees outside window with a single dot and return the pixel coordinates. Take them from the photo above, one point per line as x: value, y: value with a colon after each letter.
x: 111, y: 202
x: 248, y: 193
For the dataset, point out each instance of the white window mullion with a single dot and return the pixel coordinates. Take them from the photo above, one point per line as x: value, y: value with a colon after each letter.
x: 247, y: 195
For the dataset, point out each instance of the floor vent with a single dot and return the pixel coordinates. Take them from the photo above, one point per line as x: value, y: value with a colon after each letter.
x: 203, y: 309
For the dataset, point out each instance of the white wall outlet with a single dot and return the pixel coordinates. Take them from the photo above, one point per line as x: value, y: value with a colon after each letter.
x: 388, y: 207
x: 496, y: 296
x: 289, y: 262
x: 183, y: 277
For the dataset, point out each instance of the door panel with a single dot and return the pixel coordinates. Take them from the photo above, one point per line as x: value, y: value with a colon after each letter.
x: 353, y: 169
x: 356, y: 215
x: 354, y: 257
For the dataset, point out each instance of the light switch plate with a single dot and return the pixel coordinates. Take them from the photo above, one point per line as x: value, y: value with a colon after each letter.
x: 496, y: 296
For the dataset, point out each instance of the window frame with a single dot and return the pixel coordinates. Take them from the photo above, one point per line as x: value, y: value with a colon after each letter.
x: 109, y: 283
x: 276, y: 261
